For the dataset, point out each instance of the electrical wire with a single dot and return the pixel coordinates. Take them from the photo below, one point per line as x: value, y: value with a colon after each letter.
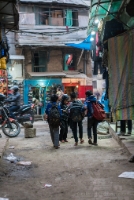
x: 51, y: 33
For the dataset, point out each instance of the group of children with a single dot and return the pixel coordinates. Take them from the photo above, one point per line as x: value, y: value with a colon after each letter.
x: 61, y: 114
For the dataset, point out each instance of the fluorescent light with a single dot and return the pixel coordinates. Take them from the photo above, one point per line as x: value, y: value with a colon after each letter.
x: 91, y: 39
x: 93, y: 33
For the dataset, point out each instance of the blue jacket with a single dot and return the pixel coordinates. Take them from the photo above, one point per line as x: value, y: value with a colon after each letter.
x: 88, y: 104
x: 49, y: 105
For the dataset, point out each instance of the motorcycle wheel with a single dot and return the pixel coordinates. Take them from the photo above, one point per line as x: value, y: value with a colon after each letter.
x: 14, y: 132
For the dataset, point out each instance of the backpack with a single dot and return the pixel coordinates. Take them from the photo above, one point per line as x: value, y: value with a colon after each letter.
x: 98, y: 112
x: 54, y: 116
x: 76, y: 111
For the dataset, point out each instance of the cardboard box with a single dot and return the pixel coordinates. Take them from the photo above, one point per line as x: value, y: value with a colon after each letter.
x: 56, y: 21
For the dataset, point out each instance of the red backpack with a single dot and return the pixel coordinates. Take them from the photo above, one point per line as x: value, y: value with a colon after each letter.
x: 98, y: 112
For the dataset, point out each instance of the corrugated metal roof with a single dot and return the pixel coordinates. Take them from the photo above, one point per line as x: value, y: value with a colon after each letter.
x: 73, y: 2
x: 58, y: 74
x: 46, y: 74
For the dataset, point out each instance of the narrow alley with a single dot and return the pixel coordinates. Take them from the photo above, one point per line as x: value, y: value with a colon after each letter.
x: 76, y: 173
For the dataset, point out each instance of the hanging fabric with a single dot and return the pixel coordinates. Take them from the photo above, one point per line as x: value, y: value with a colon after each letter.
x: 69, y: 18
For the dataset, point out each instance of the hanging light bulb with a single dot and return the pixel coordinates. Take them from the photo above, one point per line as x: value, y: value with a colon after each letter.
x: 96, y: 21
x: 93, y: 33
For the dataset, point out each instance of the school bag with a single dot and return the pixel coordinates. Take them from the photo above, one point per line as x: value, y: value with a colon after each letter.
x: 98, y: 112
x: 76, y: 111
x: 54, y: 116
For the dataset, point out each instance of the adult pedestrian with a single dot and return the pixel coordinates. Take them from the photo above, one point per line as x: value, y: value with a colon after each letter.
x: 76, y: 109
x: 52, y: 114
x: 123, y: 127
x: 14, y: 100
x: 91, y: 121
x: 64, y: 118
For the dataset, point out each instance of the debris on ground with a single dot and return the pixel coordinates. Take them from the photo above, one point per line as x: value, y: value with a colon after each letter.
x: 131, y: 159
x: 11, y: 147
x: 11, y: 157
x: 103, y: 128
x: 47, y: 185
x: 25, y: 163
x: 127, y: 175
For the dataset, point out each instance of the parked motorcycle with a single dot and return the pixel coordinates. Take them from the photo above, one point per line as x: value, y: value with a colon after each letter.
x: 25, y: 113
x: 10, y: 127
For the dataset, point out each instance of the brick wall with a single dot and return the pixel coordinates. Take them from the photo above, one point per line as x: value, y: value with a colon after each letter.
x: 55, y: 62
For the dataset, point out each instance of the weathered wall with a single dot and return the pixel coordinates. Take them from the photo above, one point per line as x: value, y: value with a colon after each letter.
x: 55, y: 62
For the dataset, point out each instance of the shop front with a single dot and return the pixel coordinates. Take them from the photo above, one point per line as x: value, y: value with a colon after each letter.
x: 78, y: 83
x: 39, y: 92
x: 41, y: 86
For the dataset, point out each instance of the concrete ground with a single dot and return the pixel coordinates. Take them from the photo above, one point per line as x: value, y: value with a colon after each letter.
x: 76, y: 173
x: 125, y: 141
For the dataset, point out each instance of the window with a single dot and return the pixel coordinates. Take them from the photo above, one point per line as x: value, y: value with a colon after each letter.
x: 56, y: 17
x: 69, y: 62
x: 39, y: 61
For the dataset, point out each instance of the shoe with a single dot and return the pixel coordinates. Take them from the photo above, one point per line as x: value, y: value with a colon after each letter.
x: 0, y: 135
x: 62, y: 141
x: 57, y: 147
x: 95, y: 144
x: 76, y: 144
x: 90, y: 141
x: 66, y: 140
x: 121, y: 134
x: 81, y: 141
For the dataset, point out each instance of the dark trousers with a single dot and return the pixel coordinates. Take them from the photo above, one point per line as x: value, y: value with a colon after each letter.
x: 74, y: 129
x: 92, y: 123
x: 123, y: 125
x: 13, y: 109
x: 63, y: 130
x: 54, y: 132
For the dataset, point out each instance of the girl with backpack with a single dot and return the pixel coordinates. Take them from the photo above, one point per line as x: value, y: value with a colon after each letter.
x: 64, y: 119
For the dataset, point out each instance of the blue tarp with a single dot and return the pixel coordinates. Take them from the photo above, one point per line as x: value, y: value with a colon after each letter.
x: 86, y: 44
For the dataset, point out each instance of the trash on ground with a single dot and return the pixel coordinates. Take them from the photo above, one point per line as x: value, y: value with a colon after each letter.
x: 47, y: 185
x: 131, y: 159
x: 103, y: 128
x: 3, y: 198
x: 127, y: 175
x: 25, y: 163
x: 11, y: 147
x: 11, y: 157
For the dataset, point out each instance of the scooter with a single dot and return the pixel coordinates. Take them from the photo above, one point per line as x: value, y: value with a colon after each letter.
x: 10, y: 127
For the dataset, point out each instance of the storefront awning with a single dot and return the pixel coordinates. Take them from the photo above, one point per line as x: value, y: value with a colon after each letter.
x: 16, y: 57
x: 9, y: 16
x: 102, y: 8
x: 47, y: 74
x: 68, y: 74
x: 85, y: 45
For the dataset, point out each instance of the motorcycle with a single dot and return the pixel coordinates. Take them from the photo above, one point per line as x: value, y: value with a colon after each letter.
x: 25, y: 113
x: 10, y: 127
